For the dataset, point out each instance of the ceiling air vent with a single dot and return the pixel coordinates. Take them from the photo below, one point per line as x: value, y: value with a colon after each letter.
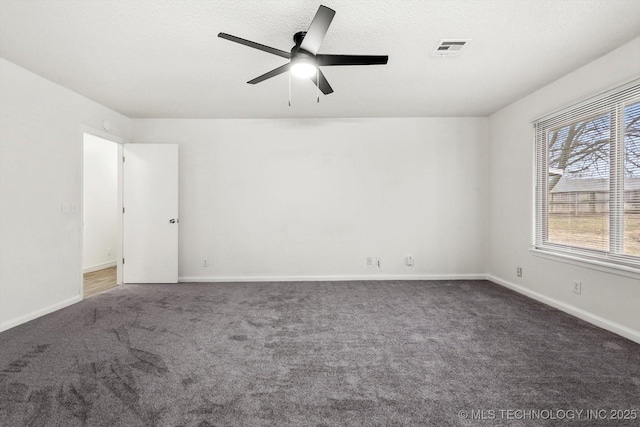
x: 450, y: 47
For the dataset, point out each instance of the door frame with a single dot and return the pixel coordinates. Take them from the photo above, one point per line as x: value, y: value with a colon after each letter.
x: 120, y: 144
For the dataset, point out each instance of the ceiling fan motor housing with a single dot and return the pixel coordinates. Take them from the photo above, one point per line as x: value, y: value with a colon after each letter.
x: 298, y: 37
x: 300, y: 55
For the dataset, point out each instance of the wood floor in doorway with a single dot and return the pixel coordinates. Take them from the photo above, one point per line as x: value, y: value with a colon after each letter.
x: 99, y: 281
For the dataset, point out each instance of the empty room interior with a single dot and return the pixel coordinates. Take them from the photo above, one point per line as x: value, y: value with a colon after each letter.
x: 319, y: 213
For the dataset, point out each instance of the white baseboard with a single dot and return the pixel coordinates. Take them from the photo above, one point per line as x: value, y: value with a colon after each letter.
x: 601, y: 322
x: 217, y: 279
x: 38, y: 313
x: 100, y: 266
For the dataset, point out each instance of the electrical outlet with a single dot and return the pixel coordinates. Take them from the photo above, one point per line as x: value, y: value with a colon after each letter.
x: 410, y: 261
x: 369, y: 260
x: 577, y: 287
x: 519, y: 271
x: 205, y: 262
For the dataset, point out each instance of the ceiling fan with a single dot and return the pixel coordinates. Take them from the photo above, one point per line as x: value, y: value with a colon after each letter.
x: 304, y: 58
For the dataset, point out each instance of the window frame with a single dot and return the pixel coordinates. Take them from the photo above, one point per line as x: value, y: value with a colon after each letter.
x: 612, y: 103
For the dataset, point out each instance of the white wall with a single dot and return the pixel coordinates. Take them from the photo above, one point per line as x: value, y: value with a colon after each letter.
x: 281, y: 199
x: 40, y: 168
x: 608, y: 300
x: 100, y: 203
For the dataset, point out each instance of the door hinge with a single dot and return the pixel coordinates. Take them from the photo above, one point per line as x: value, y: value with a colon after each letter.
x: 122, y: 159
x: 123, y: 260
x: 122, y: 210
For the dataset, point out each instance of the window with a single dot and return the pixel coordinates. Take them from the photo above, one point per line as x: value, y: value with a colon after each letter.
x: 588, y: 179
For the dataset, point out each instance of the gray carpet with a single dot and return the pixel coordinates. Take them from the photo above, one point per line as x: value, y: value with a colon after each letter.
x: 312, y: 354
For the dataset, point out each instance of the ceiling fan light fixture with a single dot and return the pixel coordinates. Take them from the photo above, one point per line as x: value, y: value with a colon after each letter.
x: 304, y: 60
x: 304, y: 68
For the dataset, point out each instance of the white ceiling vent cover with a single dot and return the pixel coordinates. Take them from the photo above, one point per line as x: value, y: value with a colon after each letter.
x: 450, y: 47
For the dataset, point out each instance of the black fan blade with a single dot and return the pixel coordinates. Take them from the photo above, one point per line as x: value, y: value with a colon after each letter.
x: 351, y: 59
x: 255, y: 45
x: 324, y: 85
x: 270, y: 74
x: 317, y: 30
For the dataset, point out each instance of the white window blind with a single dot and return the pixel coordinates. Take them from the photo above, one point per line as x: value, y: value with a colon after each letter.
x: 587, y: 197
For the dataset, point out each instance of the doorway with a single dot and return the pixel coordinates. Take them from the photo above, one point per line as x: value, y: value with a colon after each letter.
x: 101, y: 214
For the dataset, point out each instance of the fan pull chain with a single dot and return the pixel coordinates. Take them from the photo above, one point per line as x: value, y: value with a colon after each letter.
x: 318, y: 85
x: 289, y: 88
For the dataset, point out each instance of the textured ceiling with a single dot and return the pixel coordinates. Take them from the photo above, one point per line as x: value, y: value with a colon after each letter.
x: 164, y: 59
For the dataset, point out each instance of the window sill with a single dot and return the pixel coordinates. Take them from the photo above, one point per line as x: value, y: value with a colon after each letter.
x: 619, y: 270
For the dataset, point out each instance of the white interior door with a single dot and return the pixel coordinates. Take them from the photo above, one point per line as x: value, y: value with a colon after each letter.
x: 150, y: 225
